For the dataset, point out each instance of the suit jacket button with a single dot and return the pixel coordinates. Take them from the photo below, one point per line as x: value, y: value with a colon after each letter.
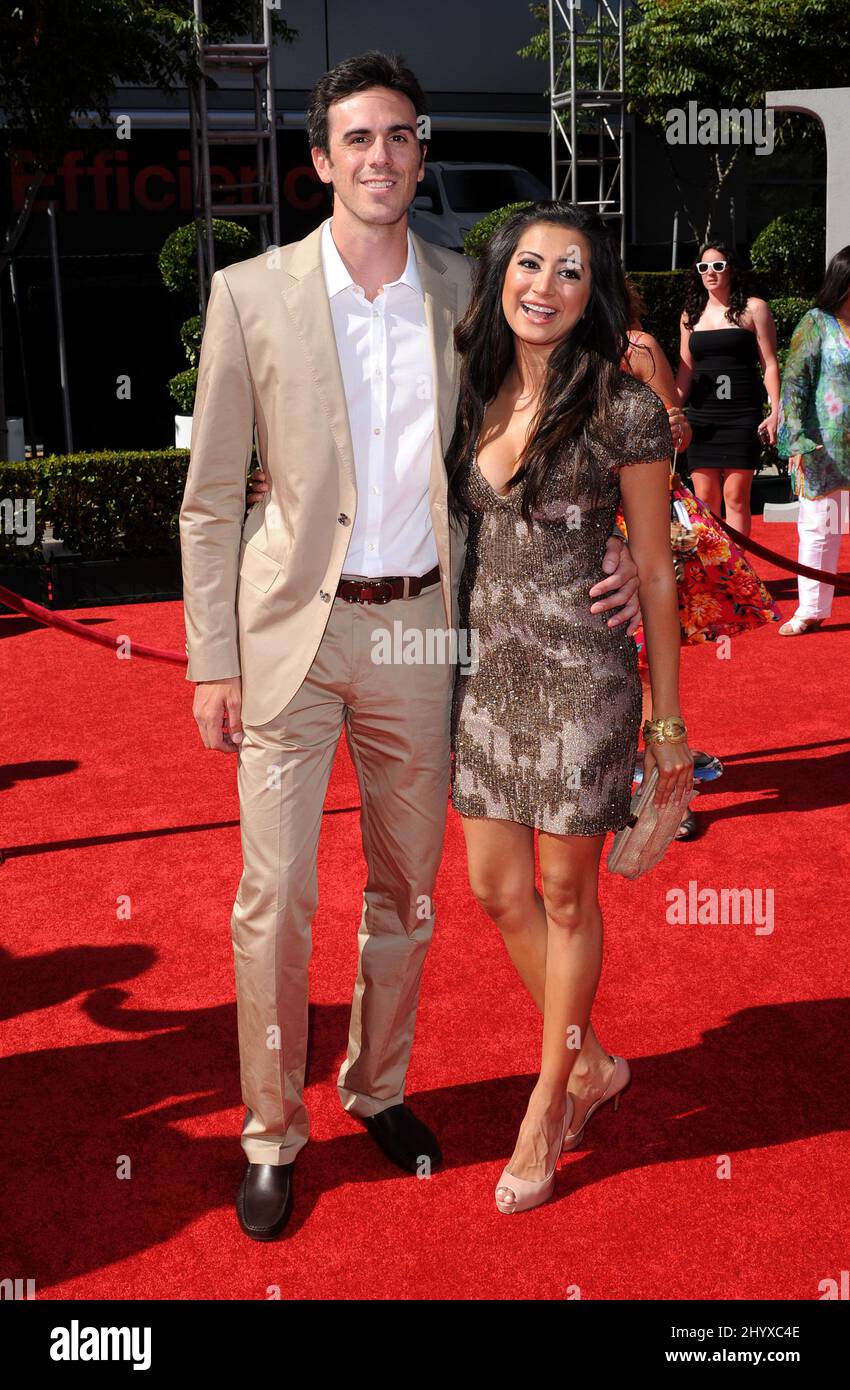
x: 326, y: 597
x: 343, y: 519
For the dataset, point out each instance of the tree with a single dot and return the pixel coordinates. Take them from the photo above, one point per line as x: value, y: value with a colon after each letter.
x: 62, y: 58
x: 724, y: 55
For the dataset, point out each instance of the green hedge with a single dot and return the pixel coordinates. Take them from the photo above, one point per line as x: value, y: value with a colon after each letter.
x: 482, y: 230
x: 190, y: 336
x: 664, y: 294
x: 100, y: 504
x: 178, y: 264
x: 788, y: 254
x: 178, y: 259
x: 183, y: 388
x: 20, y: 483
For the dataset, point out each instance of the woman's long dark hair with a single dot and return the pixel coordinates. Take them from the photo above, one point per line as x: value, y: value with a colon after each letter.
x: 583, y: 376
x: 836, y: 283
x: 696, y: 294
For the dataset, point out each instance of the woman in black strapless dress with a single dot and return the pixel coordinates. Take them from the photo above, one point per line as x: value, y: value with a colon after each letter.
x: 728, y: 338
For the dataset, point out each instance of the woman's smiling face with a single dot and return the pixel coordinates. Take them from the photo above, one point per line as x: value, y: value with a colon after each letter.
x: 547, y: 283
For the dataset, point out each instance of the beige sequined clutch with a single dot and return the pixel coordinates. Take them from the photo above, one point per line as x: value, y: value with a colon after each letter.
x: 642, y: 843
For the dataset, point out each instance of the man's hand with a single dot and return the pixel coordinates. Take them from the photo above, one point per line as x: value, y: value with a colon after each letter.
x: 217, y: 708
x: 257, y: 486
x: 620, y: 589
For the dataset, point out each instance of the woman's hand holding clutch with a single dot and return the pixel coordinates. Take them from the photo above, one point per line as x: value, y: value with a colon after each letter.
x: 675, y: 763
x: 658, y: 806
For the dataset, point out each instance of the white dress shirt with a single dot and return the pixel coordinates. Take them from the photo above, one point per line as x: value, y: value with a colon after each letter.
x: 384, y: 355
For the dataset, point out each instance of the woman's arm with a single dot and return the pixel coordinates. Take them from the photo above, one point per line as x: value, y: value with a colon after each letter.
x: 802, y: 366
x: 646, y: 502
x: 766, y: 342
x: 685, y: 374
x: 648, y: 362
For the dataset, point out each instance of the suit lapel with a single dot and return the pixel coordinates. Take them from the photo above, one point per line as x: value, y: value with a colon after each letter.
x: 306, y: 302
x: 441, y: 314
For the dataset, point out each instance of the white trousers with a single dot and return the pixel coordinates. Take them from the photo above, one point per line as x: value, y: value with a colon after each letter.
x: 819, y: 526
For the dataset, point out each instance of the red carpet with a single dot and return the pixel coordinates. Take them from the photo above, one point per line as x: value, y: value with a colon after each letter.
x: 120, y: 1076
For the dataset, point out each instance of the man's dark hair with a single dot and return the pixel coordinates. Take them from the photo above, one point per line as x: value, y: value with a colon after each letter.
x: 372, y: 69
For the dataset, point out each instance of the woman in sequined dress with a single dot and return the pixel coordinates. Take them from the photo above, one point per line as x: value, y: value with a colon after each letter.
x: 546, y: 715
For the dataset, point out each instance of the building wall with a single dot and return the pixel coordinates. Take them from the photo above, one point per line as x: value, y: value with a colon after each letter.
x: 464, y: 46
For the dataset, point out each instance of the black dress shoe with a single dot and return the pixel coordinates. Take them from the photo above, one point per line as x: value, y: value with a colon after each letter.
x: 264, y: 1200
x: 404, y: 1139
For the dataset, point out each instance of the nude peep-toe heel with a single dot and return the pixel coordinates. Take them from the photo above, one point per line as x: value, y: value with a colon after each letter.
x: 620, y: 1078
x: 532, y: 1194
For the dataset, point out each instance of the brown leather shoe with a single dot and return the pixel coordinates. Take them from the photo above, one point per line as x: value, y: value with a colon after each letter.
x: 264, y: 1200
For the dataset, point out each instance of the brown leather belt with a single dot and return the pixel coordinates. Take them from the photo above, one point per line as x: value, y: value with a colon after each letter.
x: 382, y: 590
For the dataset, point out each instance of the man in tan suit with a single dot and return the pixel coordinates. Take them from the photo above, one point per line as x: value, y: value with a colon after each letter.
x: 338, y: 350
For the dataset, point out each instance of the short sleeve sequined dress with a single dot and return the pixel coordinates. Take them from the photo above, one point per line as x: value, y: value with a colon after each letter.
x: 547, y: 704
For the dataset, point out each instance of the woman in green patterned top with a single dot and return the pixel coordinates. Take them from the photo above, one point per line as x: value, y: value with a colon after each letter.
x: 814, y: 435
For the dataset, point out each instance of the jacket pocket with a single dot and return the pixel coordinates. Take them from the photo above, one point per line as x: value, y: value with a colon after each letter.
x: 259, y: 569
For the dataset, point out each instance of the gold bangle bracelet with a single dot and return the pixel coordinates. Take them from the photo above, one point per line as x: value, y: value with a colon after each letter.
x: 670, y: 730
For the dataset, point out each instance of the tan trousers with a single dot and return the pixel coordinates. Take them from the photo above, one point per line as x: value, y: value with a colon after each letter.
x: 396, y: 718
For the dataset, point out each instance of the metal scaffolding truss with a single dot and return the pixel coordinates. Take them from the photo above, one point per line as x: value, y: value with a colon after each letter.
x: 588, y: 104
x: 259, y: 130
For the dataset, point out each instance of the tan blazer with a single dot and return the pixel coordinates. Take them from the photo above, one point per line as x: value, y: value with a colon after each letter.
x: 258, y: 589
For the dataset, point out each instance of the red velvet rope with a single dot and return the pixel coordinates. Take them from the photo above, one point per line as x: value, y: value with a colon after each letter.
x: 841, y: 582
x: 76, y: 629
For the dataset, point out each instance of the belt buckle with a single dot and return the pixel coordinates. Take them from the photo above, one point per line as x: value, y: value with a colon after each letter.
x: 373, y: 590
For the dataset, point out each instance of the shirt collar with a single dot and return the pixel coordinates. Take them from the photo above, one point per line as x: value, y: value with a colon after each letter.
x: 336, y: 273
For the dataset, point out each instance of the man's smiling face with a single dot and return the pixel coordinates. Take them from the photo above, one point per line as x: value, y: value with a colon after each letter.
x: 374, y: 163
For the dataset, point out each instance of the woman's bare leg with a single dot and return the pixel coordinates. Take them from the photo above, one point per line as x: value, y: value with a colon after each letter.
x: 501, y: 869
x: 500, y: 863
x: 737, y: 487
x: 708, y: 487
x: 569, y: 868
x: 500, y: 858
